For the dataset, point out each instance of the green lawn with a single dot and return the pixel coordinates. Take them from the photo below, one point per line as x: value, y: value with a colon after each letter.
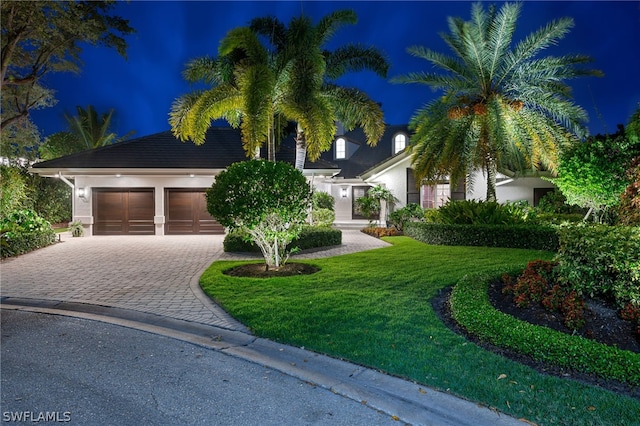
x: 374, y: 308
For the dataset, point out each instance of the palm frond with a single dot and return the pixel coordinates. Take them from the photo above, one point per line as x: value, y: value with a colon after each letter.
x: 354, y: 58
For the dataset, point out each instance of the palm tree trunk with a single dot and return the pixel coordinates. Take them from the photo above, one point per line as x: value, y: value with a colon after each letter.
x: 271, y: 144
x: 301, y: 149
x: 491, y: 180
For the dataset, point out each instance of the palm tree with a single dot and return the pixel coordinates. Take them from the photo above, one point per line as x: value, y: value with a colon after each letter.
x: 260, y: 89
x: 308, y: 95
x: 90, y: 129
x: 503, y: 108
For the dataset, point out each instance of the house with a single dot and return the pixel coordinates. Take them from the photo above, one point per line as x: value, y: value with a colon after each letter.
x: 155, y: 185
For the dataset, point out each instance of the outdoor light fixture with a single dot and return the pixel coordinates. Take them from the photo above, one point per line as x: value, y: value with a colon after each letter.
x: 343, y: 192
x: 82, y: 193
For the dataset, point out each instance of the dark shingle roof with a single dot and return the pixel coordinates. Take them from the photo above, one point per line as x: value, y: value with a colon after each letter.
x: 223, y: 146
x: 365, y: 156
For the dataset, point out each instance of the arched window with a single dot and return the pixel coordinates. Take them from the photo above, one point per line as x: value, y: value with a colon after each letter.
x: 341, y: 148
x: 399, y: 142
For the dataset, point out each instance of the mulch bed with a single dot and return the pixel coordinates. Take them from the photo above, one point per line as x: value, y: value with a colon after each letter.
x: 259, y: 270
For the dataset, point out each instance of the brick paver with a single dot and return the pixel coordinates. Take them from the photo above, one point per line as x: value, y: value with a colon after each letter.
x: 149, y: 274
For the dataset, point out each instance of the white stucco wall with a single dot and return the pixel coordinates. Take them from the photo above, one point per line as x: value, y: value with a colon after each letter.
x: 515, y: 190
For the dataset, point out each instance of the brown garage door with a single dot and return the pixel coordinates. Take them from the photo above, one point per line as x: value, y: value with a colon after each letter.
x: 123, y: 211
x: 186, y: 213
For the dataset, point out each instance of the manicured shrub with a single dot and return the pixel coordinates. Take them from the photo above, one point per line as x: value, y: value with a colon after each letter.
x: 323, y: 200
x: 471, y: 308
x: 472, y: 212
x: 510, y: 236
x: 410, y: 212
x: 310, y: 237
x: 600, y: 260
x: 23, y: 231
x: 266, y: 200
x: 323, y: 217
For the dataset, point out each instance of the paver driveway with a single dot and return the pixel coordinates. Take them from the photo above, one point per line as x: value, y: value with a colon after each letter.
x: 151, y: 274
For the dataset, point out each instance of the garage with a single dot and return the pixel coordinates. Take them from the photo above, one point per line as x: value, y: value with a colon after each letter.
x: 123, y: 211
x: 186, y: 213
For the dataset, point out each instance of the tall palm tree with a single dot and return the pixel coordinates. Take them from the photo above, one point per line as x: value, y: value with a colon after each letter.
x: 259, y: 89
x: 502, y: 107
x: 308, y: 94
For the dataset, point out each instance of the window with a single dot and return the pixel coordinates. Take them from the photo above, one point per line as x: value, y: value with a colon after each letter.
x: 399, y: 142
x: 341, y: 148
x: 434, y: 196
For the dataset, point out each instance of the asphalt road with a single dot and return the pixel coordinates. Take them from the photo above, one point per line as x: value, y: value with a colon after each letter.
x: 84, y: 372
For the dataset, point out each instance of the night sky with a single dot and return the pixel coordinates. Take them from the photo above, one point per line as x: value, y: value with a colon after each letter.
x: 142, y: 88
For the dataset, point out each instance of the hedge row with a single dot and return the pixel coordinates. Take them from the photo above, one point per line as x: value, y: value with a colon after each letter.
x: 534, y: 237
x: 14, y: 243
x: 471, y: 308
x: 310, y: 237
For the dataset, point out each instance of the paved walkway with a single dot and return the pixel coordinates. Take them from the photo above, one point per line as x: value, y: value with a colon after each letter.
x: 157, y: 275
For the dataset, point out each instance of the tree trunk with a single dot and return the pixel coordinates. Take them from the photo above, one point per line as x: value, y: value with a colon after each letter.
x: 301, y: 148
x: 491, y: 180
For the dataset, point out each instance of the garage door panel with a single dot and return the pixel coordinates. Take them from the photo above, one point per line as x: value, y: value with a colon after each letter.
x: 123, y: 211
x: 186, y: 213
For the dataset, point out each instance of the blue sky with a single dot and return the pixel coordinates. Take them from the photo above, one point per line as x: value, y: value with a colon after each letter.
x: 142, y: 88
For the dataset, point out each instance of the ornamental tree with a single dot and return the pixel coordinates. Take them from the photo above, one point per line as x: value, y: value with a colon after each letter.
x: 593, y: 174
x: 267, y: 201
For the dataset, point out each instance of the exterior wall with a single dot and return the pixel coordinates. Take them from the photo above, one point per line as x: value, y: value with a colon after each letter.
x: 83, y: 208
x: 512, y: 190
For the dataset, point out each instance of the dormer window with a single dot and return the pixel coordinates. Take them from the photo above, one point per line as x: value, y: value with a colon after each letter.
x: 399, y: 142
x: 341, y: 148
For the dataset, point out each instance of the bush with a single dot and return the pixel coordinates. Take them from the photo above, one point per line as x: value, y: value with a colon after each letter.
x: 23, y: 231
x: 472, y: 212
x: 323, y: 217
x: 12, y: 190
x: 267, y: 201
x: 510, y: 236
x: 323, y: 200
x: 310, y: 237
x: 600, y: 260
x: 471, y: 308
x: 408, y: 213
x: 380, y: 232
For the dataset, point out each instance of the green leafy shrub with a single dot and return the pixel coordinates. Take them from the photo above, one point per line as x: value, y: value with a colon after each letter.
x: 471, y: 308
x: 310, y: 237
x: 266, y: 200
x: 323, y: 217
x: 472, y: 212
x: 555, y: 202
x: 23, y: 231
x: 408, y: 213
x: 323, y: 200
x: 12, y: 190
x: 76, y: 229
x: 510, y: 236
x: 600, y: 260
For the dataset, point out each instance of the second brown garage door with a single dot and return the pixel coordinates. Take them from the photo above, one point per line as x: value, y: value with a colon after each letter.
x: 186, y: 213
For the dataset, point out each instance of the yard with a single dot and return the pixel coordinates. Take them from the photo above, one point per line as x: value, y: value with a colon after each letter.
x: 374, y: 308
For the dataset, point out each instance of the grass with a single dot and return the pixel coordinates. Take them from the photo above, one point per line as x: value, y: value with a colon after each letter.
x: 373, y: 308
